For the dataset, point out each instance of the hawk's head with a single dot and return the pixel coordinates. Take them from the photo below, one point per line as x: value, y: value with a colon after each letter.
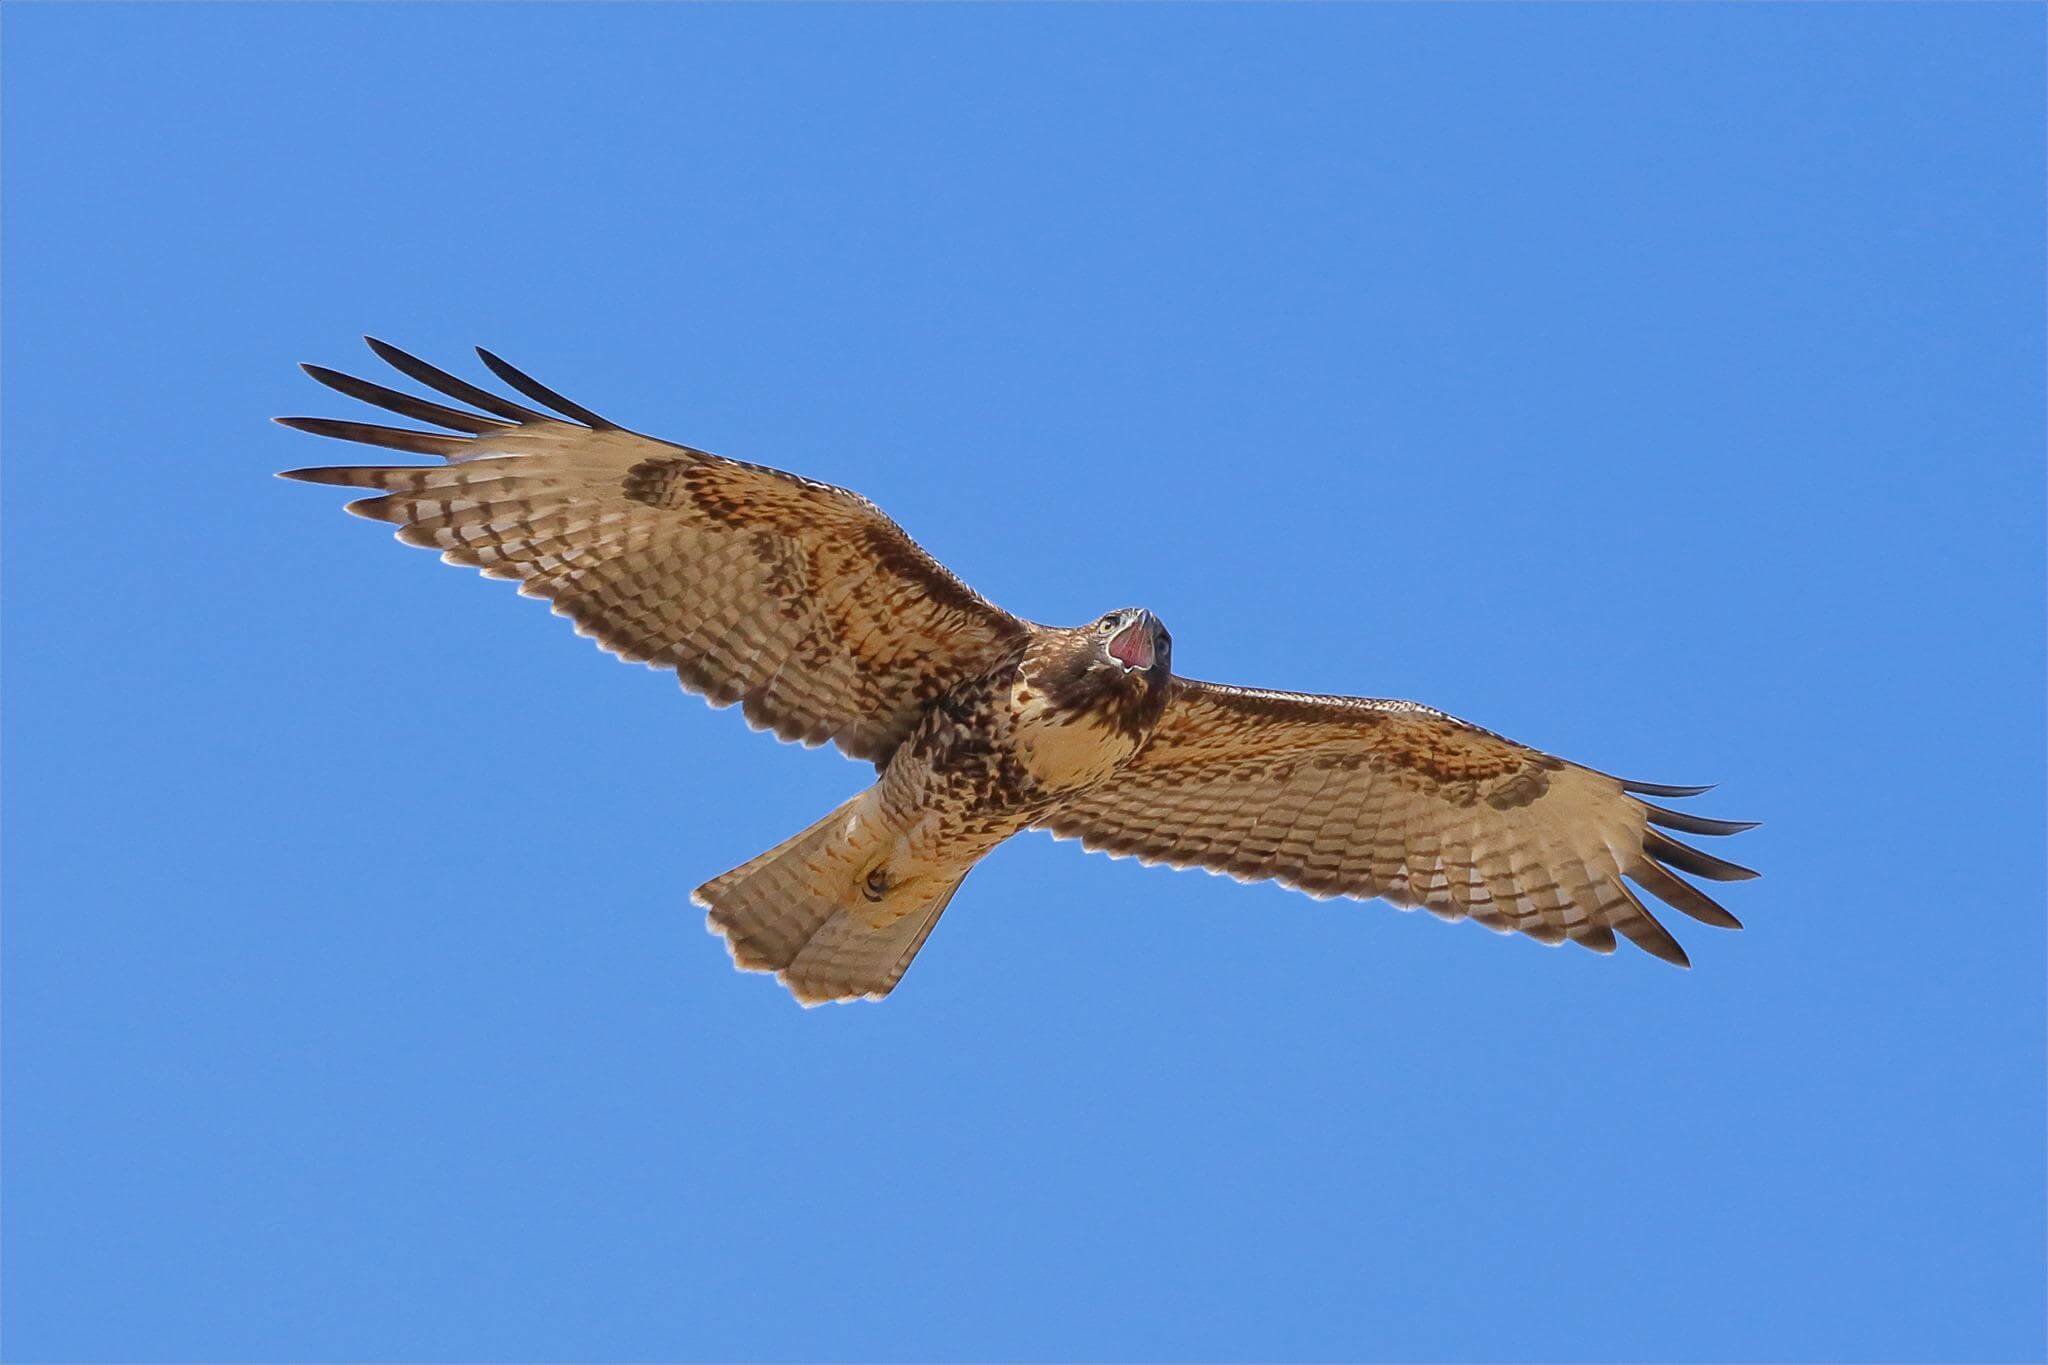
x: 1117, y: 669
x: 1132, y: 641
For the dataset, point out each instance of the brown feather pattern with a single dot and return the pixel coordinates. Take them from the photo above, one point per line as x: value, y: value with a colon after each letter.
x: 1346, y: 796
x: 817, y: 615
x: 799, y: 601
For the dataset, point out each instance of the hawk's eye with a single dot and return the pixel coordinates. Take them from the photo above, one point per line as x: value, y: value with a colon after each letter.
x: 1106, y: 624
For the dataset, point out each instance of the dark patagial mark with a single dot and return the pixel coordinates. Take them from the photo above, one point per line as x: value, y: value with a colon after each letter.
x: 657, y: 482
x: 1520, y: 789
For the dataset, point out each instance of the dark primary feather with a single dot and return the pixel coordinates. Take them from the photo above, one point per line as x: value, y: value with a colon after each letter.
x: 346, y: 475
x: 404, y: 404
x: 1659, y: 789
x: 439, y: 379
x: 1681, y: 895
x: 1686, y: 858
x: 1643, y: 930
x: 541, y: 393
x: 1662, y: 853
x: 369, y: 434
x: 1688, y: 823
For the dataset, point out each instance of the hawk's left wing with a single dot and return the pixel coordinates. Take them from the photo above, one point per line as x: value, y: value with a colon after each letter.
x: 1343, y: 796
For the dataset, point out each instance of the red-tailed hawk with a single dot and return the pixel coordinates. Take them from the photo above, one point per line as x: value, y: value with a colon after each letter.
x: 814, y: 612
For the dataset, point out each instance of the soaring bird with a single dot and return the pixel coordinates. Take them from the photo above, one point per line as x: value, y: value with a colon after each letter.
x: 825, y: 622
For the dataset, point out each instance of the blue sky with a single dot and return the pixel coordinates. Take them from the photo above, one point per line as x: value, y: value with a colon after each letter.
x: 1661, y: 386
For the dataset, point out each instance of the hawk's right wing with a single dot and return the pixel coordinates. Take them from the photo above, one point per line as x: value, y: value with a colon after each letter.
x: 800, y: 601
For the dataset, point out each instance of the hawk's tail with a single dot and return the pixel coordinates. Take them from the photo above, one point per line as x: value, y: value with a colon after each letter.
x: 807, y: 911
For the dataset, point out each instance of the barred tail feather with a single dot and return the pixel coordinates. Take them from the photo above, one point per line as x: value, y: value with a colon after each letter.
x: 803, y: 911
x: 863, y: 950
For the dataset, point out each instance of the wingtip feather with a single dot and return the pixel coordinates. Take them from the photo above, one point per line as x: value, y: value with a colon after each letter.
x: 439, y: 446
x: 1686, y: 858
x: 1688, y: 823
x: 1663, y: 789
x: 541, y: 393
x: 1682, y: 895
x: 438, y: 379
x: 404, y: 404
x: 1646, y: 931
x: 313, y: 474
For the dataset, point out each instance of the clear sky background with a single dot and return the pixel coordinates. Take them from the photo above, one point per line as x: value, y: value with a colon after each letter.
x: 1660, y: 386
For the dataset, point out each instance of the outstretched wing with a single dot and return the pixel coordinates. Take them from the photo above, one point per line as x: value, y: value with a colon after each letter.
x: 1341, y: 796
x: 800, y: 601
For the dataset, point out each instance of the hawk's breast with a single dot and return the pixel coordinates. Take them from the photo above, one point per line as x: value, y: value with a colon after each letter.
x: 1065, y: 748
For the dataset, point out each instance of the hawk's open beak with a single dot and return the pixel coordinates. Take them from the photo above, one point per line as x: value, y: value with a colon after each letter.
x: 1132, y: 646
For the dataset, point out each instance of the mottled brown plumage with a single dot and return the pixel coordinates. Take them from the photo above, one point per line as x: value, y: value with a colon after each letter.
x: 823, y: 621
